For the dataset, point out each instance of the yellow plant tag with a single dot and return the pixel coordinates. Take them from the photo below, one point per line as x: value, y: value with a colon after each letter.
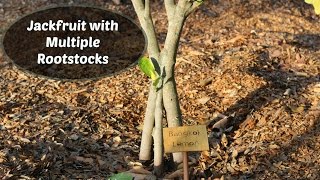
x: 185, y: 138
x: 316, y: 5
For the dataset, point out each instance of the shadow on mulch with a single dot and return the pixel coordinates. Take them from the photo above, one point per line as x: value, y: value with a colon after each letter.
x: 306, y: 41
x: 63, y: 148
x: 247, y: 8
x: 284, y: 155
x: 278, y: 81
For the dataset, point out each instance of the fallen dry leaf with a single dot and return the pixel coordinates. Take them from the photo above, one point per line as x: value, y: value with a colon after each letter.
x: 116, y: 141
x: 203, y: 100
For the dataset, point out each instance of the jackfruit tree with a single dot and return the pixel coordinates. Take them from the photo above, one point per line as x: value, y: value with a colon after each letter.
x: 159, y: 66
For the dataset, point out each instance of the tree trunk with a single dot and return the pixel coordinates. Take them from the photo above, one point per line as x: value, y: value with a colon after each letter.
x: 144, y: 16
x: 158, y: 135
x: 167, y: 92
x: 168, y: 54
x: 148, y: 124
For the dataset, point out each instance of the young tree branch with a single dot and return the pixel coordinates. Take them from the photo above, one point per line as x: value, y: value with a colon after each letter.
x: 139, y: 8
x: 148, y: 124
x: 189, y: 5
x: 147, y: 13
x: 194, y: 5
x: 168, y: 55
x: 170, y: 7
x: 144, y: 16
x: 158, y: 135
x: 143, y: 12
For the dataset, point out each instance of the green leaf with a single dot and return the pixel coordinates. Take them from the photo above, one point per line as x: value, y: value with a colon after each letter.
x: 121, y: 176
x: 147, y: 67
x: 155, y: 82
x: 316, y: 5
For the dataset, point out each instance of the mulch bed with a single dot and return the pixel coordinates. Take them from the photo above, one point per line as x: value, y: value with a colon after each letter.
x: 255, y: 62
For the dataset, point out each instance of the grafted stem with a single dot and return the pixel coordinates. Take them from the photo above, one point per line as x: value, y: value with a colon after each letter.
x: 165, y: 96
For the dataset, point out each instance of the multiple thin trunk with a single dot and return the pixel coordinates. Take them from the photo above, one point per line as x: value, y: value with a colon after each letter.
x: 164, y: 96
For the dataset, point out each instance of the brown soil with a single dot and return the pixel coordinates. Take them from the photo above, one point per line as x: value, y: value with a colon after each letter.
x: 260, y: 59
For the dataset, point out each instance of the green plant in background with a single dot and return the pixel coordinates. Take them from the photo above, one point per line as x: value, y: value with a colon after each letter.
x: 316, y: 5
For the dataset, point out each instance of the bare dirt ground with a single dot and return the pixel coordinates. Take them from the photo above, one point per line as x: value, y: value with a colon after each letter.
x: 256, y: 62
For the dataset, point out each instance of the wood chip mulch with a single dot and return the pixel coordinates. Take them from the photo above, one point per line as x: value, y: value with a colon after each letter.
x: 254, y: 62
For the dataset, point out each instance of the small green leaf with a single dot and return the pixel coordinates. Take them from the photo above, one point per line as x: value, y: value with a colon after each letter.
x: 121, y: 176
x: 316, y: 5
x: 147, y: 67
x: 155, y: 82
